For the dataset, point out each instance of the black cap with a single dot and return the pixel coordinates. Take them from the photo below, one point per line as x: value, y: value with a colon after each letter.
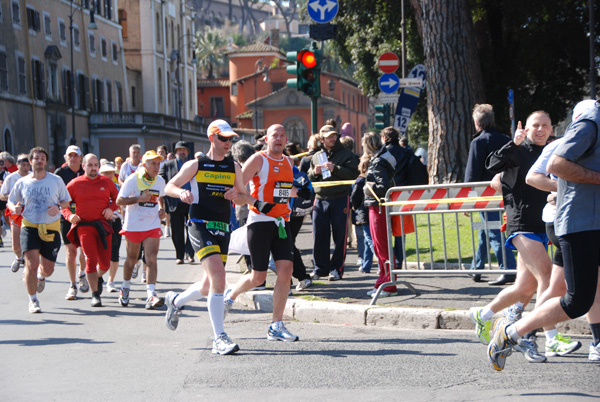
x: 181, y: 144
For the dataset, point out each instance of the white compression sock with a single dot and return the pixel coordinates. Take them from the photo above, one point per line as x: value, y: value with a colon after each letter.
x: 150, y: 289
x: 33, y: 297
x: 487, y: 313
x: 191, y: 294
x: 550, y: 334
x: 126, y: 284
x: 216, y: 310
x: 511, y: 331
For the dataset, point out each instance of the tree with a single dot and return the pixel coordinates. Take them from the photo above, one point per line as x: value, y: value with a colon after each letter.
x: 210, y: 51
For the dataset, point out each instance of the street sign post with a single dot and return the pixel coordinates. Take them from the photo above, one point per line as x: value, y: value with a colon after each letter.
x: 322, y: 11
x: 511, y: 111
x: 407, y: 102
x: 388, y: 62
x: 389, y: 83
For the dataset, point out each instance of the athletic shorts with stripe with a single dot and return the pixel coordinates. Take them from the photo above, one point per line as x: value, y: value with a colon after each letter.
x: 207, y: 242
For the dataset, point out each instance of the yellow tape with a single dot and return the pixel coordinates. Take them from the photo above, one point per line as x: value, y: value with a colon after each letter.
x: 299, y: 155
x: 444, y: 200
x: 333, y: 183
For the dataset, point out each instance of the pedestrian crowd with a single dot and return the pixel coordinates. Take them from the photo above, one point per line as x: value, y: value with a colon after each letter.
x: 253, y: 199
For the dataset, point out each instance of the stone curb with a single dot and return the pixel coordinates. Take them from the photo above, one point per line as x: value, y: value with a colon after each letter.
x: 329, y: 312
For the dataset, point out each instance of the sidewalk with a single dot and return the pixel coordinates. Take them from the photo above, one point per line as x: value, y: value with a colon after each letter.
x: 443, y: 303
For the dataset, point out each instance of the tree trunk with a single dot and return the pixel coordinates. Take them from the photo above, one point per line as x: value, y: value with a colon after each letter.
x: 454, y: 84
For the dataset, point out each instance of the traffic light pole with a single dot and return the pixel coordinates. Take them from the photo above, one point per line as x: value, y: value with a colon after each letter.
x: 314, y: 112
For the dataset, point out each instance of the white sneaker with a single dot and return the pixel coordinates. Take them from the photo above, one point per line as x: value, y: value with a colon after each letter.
x: 386, y: 294
x: 71, y: 293
x: 136, y: 269
x: 334, y: 276
x: 303, y: 285
x: 84, y: 285
x: 371, y: 292
x: 111, y: 288
x: 594, y: 352
x: 34, y: 306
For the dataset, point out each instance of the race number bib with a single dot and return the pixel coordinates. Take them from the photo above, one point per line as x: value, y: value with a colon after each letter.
x: 282, y: 192
x: 153, y: 200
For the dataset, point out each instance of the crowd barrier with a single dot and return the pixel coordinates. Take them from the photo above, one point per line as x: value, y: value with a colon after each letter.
x: 406, y: 206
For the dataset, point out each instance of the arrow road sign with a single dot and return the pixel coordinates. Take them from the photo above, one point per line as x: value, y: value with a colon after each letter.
x: 388, y: 62
x: 322, y: 11
x: 389, y: 83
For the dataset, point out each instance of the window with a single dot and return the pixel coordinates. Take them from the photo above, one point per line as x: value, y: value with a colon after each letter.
x: 160, y: 88
x: 47, y: 26
x: 123, y: 22
x: 66, y: 87
x: 119, y: 94
x: 1, y: 19
x: 92, y: 44
x: 76, y: 40
x: 52, y: 79
x: 115, y: 52
x: 98, y: 7
x: 62, y: 32
x: 133, y: 102
x: 33, y: 20
x: 108, y: 10
x: 83, y: 91
x: 172, y: 36
x: 8, y: 142
x: 103, y: 48
x: 37, y: 73
x: 191, y: 106
x: 98, y: 95
x: 234, y: 89
x: 167, y: 37
x: 109, y: 100
x: 3, y: 71
x: 157, y: 29
x: 217, y: 107
x: 22, y: 74
x: 16, y: 14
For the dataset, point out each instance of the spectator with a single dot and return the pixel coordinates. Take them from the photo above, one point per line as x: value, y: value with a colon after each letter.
x: 347, y: 131
x: 132, y: 164
x: 331, y: 122
x: 313, y: 147
x: 360, y: 218
x: 330, y: 213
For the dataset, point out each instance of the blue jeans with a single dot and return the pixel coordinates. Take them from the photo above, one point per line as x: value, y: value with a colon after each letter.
x: 360, y: 241
x: 481, y: 254
x: 367, y: 255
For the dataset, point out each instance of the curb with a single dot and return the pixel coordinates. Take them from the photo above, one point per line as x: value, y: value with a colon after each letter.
x: 386, y: 317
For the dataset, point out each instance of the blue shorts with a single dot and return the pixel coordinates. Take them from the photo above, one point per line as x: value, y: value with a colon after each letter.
x: 537, y: 236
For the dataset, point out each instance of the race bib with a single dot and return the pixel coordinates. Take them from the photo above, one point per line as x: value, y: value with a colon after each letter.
x: 153, y: 200
x: 214, y: 225
x: 282, y: 192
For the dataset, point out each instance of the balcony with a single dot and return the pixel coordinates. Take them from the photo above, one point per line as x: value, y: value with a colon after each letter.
x: 152, y: 121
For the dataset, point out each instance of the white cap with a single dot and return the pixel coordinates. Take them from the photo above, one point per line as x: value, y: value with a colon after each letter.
x: 107, y: 167
x: 220, y: 127
x: 73, y: 149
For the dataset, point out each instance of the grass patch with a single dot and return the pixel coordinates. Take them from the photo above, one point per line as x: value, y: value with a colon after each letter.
x: 311, y: 298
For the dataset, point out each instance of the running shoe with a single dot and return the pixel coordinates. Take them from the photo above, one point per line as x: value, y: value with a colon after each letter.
x: 84, y: 285
x: 111, y: 288
x: 227, y: 302
x: 372, y: 292
x: 314, y: 276
x: 41, y: 285
x: 482, y: 328
x: 71, y: 293
x: 154, y: 302
x: 34, y: 306
x: 143, y: 278
x: 561, y: 345
x: 172, y: 315
x: 513, y: 313
x: 136, y: 269
x: 281, y: 334
x: 501, y: 345
x: 594, y: 352
x: 96, y: 301
x: 334, y: 276
x: 124, y: 297
x: 304, y: 284
x: 528, y: 347
x: 16, y: 264
x: 383, y: 293
x: 224, y: 346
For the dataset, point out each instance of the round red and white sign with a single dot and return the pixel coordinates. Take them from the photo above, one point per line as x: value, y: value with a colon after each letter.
x: 388, y: 62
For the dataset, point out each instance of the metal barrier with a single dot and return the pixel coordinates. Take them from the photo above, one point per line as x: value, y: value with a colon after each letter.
x: 444, y: 199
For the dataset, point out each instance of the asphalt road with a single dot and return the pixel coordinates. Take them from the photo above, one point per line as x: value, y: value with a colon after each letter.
x: 73, y: 352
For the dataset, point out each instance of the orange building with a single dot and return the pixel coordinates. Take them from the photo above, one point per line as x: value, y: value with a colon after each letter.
x: 256, y: 96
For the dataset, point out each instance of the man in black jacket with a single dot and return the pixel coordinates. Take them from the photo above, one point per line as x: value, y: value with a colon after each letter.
x: 178, y: 210
x: 330, y: 213
x: 487, y: 139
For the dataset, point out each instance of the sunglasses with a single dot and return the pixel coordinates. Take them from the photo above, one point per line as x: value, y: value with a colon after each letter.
x: 224, y: 139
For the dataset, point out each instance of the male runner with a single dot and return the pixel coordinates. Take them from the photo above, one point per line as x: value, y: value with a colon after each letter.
x: 15, y: 220
x: 219, y: 180
x: 68, y: 172
x: 142, y: 193
x: 39, y: 197
x: 271, y: 182
x: 95, y: 199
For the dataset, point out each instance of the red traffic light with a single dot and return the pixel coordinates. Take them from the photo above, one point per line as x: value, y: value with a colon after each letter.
x: 308, y: 59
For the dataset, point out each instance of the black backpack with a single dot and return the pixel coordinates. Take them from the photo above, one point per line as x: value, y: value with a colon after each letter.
x: 417, y: 172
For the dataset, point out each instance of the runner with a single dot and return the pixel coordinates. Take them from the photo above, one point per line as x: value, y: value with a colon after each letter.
x: 69, y: 171
x: 95, y: 200
x: 39, y: 197
x: 15, y: 220
x: 109, y: 170
x: 142, y: 193
x: 271, y: 177
x: 219, y: 180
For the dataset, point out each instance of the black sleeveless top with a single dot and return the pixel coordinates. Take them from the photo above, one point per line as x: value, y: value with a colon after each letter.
x: 213, y: 178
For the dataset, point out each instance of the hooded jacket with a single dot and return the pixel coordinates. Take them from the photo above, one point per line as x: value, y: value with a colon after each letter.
x: 380, y: 177
x: 345, y: 168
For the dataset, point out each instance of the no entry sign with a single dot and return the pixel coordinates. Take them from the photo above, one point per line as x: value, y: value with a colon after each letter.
x: 388, y: 62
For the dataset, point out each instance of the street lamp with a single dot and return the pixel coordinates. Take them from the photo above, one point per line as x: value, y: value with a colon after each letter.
x: 92, y: 25
x: 176, y: 55
x: 259, y: 67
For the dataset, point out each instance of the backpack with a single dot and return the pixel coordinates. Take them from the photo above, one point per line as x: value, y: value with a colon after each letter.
x: 417, y: 172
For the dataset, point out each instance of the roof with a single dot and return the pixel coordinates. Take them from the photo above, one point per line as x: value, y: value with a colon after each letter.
x: 213, y: 83
x: 257, y: 47
x: 245, y: 115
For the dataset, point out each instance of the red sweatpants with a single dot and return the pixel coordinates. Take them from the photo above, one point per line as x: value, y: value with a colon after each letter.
x: 379, y: 234
x: 95, y: 254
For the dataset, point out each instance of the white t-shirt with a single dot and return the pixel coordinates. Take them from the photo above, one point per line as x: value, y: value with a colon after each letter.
x: 37, y: 195
x: 143, y: 216
x: 9, y: 182
x: 127, y: 169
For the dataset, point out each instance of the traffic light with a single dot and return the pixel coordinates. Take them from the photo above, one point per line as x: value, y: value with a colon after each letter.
x: 382, y: 116
x: 307, y: 71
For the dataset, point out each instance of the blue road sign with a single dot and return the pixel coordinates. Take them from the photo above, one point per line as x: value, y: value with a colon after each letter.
x: 407, y: 102
x: 389, y: 83
x: 322, y: 11
x: 511, y: 97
